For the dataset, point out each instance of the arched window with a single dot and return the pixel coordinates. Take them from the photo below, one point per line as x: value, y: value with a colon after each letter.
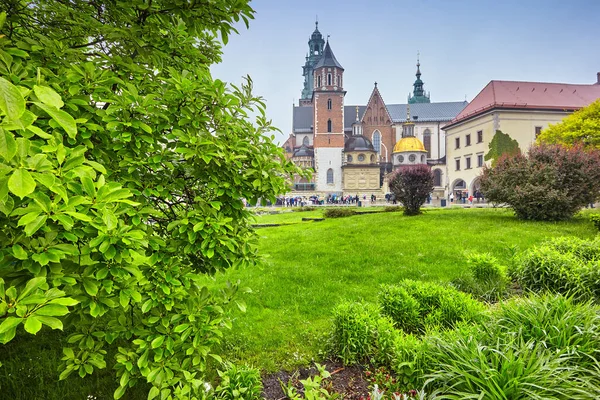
x: 328, y: 125
x: 329, y: 79
x: 423, y: 158
x: 339, y: 80
x: 372, y: 158
x: 437, y: 177
x: 329, y: 175
x: 427, y: 142
x: 329, y: 104
x: 305, y: 141
x: 377, y: 141
x: 319, y: 81
x: 349, y: 158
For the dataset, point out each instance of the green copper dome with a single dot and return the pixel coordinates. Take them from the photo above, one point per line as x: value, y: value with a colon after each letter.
x: 418, y: 95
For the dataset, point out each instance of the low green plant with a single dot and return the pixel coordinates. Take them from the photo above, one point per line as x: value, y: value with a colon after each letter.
x: 517, y: 369
x: 304, y: 208
x: 546, y: 268
x: 242, y: 383
x: 393, y: 208
x: 360, y: 333
x: 415, y: 306
x: 558, y: 322
x: 584, y: 250
x: 312, y: 387
x: 338, y: 212
x: 485, y: 278
x: 595, y: 218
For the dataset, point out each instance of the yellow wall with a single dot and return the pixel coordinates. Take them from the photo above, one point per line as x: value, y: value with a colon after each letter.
x: 520, y: 125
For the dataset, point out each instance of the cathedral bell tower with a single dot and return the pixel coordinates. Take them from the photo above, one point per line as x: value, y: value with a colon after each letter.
x: 315, y: 52
x: 328, y: 121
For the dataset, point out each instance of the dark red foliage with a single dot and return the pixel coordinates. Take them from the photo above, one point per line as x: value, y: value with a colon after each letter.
x: 550, y: 182
x: 412, y: 185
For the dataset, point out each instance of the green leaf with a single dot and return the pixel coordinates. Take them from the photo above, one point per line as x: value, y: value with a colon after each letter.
x: 48, y: 96
x: 153, y: 392
x: 157, y: 342
x: 79, y: 216
x: 52, y: 310
x: 91, y: 287
x: 65, y: 120
x: 88, y: 186
x: 37, y: 131
x: 31, y: 285
x: 9, y: 323
x: 12, y: 102
x: 19, y: 253
x: 65, y: 301
x: 52, y: 322
x: 21, y: 183
x: 119, y: 392
x: 33, y: 325
x: 35, y: 225
x: 8, y: 145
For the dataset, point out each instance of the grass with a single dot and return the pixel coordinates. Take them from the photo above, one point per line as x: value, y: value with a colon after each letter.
x: 310, y: 268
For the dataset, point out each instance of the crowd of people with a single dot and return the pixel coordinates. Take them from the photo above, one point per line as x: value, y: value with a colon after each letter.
x: 464, y: 197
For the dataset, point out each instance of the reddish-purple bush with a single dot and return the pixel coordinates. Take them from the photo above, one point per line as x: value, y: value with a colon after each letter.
x: 412, y: 185
x: 550, y: 182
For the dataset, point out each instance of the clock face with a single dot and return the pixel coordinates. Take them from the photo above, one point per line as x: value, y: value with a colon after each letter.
x: 400, y: 159
x: 412, y: 158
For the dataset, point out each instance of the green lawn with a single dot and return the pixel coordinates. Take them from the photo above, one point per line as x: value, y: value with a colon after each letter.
x: 310, y: 267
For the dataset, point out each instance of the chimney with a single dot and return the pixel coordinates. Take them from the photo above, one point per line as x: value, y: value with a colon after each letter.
x: 598, y: 78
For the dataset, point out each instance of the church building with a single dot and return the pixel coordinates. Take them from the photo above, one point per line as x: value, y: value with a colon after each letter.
x: 352, y: 148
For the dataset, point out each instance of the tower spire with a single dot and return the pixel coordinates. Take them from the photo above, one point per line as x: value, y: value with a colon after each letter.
x: 419, y: 95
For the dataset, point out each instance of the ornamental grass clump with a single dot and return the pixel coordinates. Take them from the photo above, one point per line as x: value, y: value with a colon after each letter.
x: 561, y: 265
x: 239, y: 383
x: 485, y: 278
x: 415, y: 306
x: 361, y: 333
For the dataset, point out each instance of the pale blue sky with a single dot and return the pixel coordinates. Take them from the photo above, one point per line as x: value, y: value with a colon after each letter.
x: 463, y: 44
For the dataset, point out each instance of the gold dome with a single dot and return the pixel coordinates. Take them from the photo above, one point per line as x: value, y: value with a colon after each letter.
x: 410, y: 143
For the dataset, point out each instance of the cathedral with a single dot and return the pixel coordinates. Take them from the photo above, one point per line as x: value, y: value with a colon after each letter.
x: 352, y: 148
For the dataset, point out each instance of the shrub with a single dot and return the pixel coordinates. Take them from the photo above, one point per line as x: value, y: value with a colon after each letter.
x: 514, y: 370
x: 393, y: 208
x: 562, y: 265
x: 360, y: 332
x: 595, y: 218
x: 551, y: 182
x: 558, y: 322
x: 304, y: 208
x: 545, y: 268
x: 412, y: 185
x: 239, y: 383
x: 485, y: 280
x: 338, y: 212
x: 414, y: 306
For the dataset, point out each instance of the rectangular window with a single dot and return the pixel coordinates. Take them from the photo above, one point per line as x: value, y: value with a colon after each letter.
x: 468, y: 139
x: 457, y: 165
x: 538, y: 130
x: 468, y: 161
x: 479, y: 136
x: 480, y: 160
x: 457, y: 143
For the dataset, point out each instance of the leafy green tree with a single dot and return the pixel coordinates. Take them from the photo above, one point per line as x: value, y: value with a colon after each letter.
x: 123, y: 169
x: 582, y: 127
x: 501, y: 144
x: 550, y: 183
x: 412, y: 185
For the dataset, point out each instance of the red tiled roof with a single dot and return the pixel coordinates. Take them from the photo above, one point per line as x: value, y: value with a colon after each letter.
x: 532, y: 95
